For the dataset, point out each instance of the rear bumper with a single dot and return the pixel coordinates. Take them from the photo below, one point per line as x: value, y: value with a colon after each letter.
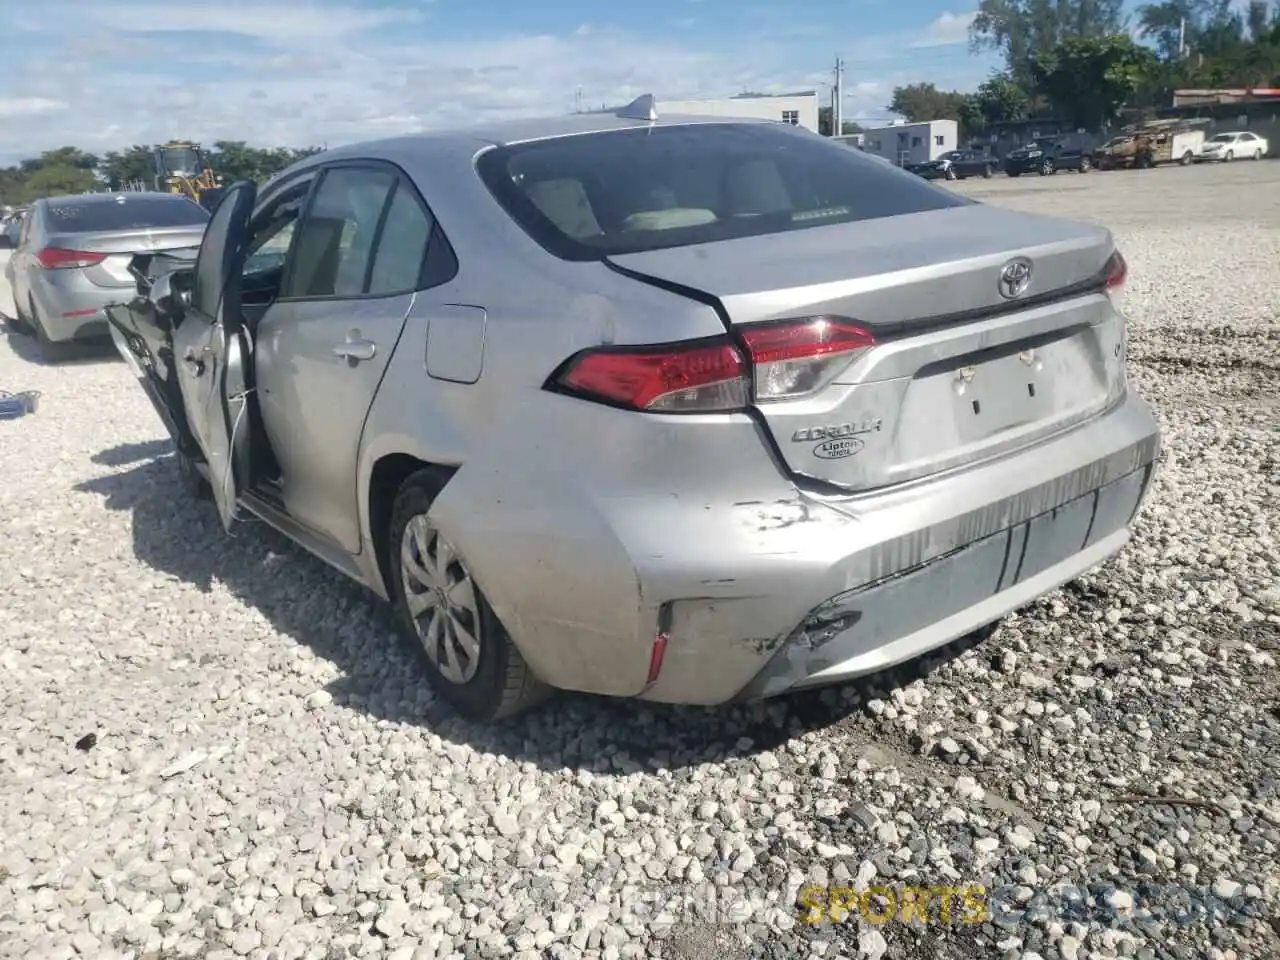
x: 877, y: 626
x: 922, y: 567
x: 778, y: 590
x: 71, y: 308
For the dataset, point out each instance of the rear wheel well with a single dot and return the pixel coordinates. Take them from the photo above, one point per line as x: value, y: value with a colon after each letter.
x: 389, y: 475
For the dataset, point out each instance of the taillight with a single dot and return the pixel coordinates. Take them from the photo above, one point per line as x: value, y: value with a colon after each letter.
x: 696, y: 377
x: 796, y: 357
x: 59, y: 258
x: 786, y: 359
x: 1114, y: 275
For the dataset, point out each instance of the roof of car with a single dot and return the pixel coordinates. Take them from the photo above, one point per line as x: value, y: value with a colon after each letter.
x: 85, y: 199
x: 518, y: 131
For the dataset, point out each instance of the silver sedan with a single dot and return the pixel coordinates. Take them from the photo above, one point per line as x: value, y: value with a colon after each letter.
x: 686, y: 409
x: 72, y: 258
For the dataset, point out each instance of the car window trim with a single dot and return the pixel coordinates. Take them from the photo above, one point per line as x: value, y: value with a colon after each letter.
x: 277, y: 192
x: 401, y: 178
x: 377, y: 236
x: 305, y: 215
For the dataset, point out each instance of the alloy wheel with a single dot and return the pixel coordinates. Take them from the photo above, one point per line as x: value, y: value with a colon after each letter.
x: 441, y: 600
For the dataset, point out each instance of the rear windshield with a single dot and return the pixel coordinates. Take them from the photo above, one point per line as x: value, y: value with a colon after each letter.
x: 70, y: 216
x: 589, y: 196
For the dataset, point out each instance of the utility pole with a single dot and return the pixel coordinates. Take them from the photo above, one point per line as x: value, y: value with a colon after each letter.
x: 1182, y: 37
x: 577, y: 99
x: 837, y: 111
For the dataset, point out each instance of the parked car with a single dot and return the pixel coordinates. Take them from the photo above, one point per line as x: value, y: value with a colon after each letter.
x: 10, y: 229
x: 684, y: 411
x: 1233, y: 145
x: 1046, y: 157
x: 956, y: 165
x: 72, y: 258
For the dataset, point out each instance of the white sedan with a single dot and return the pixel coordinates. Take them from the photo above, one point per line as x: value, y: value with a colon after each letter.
x: 1233, y: 145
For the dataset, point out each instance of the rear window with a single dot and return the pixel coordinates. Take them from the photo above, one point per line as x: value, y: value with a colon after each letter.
x: 589, y: 196
x: 130, y: 213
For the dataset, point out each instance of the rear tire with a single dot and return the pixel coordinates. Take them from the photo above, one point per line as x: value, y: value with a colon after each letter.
x: 491, y: 681
x: 18, y: 323
x: 1046, y: 168
x: 1230, y: 155
x: 1085, y: 165
x: 1185, y: 159
x: 1257, y: 154
x: 987, y: 172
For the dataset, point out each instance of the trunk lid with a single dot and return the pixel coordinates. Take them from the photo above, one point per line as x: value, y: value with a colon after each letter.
x: 120, y: 247
x: 959, y: 372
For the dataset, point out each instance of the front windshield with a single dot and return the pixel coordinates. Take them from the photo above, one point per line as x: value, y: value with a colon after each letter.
x: 180, y: 160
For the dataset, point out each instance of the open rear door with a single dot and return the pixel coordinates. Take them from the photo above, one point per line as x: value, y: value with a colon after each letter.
x: 213, y: 352
x: 142, y: 330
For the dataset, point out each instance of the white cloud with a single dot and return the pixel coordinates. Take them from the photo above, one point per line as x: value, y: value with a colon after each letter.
x: 297, y: 20
x: 11, y: 107
x: 304, y: 72
x: 948, y: 30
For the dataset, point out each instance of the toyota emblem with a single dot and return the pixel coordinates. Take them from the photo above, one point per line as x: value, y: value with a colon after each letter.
x: 1015, y: 277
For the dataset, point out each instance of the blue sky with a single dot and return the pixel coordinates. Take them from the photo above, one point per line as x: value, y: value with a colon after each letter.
x: 108, y: 73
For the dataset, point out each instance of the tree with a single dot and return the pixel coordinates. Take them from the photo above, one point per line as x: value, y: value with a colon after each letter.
x: 1021, y: 29
x: 236, y: 160
x: 997, y: 100
x: 1087, y: 79
x: 72, y: 170
x: 1209, y: 43
x: 825, y: 121
x: 63, y: 157
x: 57, y: 179
x: 919, y: 102
x: 134, y: 164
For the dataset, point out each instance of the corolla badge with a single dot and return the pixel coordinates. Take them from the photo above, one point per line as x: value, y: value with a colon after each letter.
x: 1015, y: 277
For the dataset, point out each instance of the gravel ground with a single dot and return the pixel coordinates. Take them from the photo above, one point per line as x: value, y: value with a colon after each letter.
x: 214, y: 748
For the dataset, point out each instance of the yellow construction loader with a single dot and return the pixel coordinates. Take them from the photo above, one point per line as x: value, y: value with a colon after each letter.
x: 181, y: 167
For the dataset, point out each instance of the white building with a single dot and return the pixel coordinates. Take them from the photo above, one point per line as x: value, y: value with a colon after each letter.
x: 799, y: 109
x: 903, y: 143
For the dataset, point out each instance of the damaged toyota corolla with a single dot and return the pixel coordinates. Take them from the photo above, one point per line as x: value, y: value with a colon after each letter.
x: 687, y: 409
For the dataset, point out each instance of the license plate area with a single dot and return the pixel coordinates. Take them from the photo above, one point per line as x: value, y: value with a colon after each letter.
x: 1027, y: 389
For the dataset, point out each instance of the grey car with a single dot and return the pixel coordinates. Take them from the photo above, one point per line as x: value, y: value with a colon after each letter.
x: 72, y: 257
x: 687, y: 409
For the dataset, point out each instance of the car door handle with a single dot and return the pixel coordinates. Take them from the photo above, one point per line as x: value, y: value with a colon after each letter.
x: 351, y: 349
